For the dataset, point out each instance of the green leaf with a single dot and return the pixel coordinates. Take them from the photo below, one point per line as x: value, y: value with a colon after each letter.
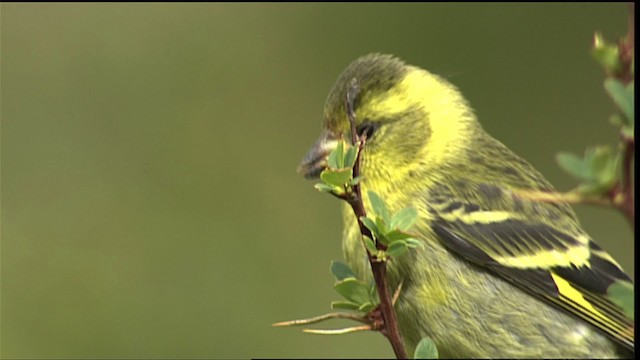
x: 382, y: 227
x: 622, y: 96
x: 370, y: 245
x: 341, y: 270
x: 350, y: 156
x: 347, y: 305
x: 574, y: 165
x: 606, y: 54
x: 338, y: 177
x: 394, y: 235
x: 357, y: 179
x: 326, y: 188
x: 336, y: 157
x: 599, y: 170
x: 597, y: 158
x: 397, y: 248
x: 353, y: 290
x: 622, y: 294
x: 610, y: 172
x: 426, y: 349
x: 366, y: 307
x: 603, y: 168
x: 379, y: 207
x: 369, y: 224
x: 403, y: 219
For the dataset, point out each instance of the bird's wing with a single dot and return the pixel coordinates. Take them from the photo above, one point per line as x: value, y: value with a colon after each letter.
x: 537, y: 246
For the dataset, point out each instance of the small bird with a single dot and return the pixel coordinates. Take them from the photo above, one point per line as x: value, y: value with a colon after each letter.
x: 499, y: 275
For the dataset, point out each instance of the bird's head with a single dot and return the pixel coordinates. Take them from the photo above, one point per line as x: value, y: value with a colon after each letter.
x: 410, y: 118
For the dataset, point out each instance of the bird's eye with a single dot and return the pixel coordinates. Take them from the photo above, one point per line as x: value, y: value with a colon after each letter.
x: 366, y: 129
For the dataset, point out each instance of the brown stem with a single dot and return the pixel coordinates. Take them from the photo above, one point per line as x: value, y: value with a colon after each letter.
x: 379, y: 268
x: 627, y: 188
x: 625, y: 47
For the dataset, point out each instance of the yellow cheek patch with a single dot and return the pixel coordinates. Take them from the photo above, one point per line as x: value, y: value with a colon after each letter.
x: 449, y: 117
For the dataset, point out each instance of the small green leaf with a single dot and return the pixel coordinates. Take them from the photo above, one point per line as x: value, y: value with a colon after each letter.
x: 622, y: 294
x: 382, y: 227
x: 379, y: 207
x: 338, y: 177
x: 356, y: 180
x: 606, y: 54
x: 336, y: 157
x: 353, y: 290
x: 426, y: 349
x: 394, y: 235
x: 326, y: 188
x: 341, y: 146
x: 403, y: 219
x: 347, y: 305
x: 598, y: 158
x: 350, y: 156
x: 599, y: 170
x: 603, y: 168
x: 610, y: 173
x: 621, y: 95
x: 369, y: 224
x: 397, y: 248
x: 341, y: 270
x: 574, y: 165
x: 370, y: 245
x: 366, y: 307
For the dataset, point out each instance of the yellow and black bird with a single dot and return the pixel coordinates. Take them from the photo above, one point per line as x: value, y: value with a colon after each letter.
x: 499, y: 275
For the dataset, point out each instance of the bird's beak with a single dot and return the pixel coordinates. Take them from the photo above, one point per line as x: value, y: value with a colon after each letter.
x: 316, y: 159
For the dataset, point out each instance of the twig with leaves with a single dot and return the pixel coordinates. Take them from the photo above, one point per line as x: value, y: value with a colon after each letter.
x: 385, y: 236
x: 606, y: 175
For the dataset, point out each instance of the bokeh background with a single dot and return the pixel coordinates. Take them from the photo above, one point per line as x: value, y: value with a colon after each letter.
x: 150, y: 204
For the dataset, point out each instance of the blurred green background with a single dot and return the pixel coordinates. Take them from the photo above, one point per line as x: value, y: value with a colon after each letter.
x: 150, y: 204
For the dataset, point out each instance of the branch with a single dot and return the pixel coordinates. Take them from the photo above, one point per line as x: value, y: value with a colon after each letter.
x: 313, y: 320
x: 627, y: 189
x: 628, y: 142
x: 379, y: 268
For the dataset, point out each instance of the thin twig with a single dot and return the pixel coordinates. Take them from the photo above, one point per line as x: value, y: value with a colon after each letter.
x: 379, y: 268
x: 626, y: 47
x: 338, y: 331
x: 313, y: 320
x: 623, y: 197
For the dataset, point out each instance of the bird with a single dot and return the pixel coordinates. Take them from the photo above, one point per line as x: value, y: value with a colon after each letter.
x: 499, y: 275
